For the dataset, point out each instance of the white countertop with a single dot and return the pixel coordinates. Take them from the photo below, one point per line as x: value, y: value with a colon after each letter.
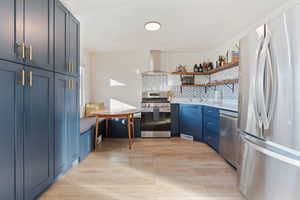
x: 224, y: 104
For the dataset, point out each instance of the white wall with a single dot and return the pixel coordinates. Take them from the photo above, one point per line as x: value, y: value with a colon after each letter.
x: 85, y: 61
x: 116, y: 77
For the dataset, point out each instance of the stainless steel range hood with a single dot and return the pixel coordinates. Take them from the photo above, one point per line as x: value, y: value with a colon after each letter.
x: 155, y: 65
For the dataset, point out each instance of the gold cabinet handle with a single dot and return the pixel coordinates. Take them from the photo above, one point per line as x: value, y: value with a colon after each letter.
x: 73, y: 68
x: 21, y: 78
x: 21, y: 49
x: 29, y: 57
x: 30, y: 78
x: 72, y: 85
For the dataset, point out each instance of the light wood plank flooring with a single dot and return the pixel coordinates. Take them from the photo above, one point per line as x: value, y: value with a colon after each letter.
x: 155, y: 169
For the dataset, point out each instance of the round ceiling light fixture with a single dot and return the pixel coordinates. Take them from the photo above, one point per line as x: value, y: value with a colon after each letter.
x: 152, y: 26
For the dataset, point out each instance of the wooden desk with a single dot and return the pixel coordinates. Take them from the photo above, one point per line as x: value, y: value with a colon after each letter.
x: 110, y: 114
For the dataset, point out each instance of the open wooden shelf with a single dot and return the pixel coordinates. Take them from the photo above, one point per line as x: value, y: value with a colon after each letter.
x: 215, y: 70
x: 214, y: 83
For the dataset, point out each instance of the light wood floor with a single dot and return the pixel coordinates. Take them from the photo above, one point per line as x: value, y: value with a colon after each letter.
x: 155, y: 169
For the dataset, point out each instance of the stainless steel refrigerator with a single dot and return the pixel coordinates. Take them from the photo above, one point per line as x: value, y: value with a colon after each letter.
x: 269, y: 109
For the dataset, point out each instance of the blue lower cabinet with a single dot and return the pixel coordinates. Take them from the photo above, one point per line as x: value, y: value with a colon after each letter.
x: 211, y: 124
x: 38, y: 132
x: 191, y: 121
x: 212, y: 139
x: 61, y: 163
x: 73, y: 120
x: 211, y: 111
x: 11, y: 137
x: 66, y: 140
x: 86, y: 142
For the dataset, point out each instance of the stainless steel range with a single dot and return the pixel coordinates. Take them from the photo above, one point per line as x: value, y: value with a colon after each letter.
x: 156, y: 115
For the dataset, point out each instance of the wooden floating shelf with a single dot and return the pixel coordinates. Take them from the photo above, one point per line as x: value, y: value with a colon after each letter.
x: 214, y: 84
x: 215, y: 70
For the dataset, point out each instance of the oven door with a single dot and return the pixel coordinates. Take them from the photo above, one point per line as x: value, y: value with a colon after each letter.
x: 156, y: 122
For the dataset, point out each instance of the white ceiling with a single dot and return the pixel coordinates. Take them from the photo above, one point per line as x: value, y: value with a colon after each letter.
x: 118, y: 25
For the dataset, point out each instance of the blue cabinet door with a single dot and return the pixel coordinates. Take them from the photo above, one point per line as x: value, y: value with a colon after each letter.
x: 11, y: 13
x: 61, y: 163
x: 175, y: 130
x: 211, y: 127
x: 191, y: 121
x: 67, y: 41
x: 38, y: 132
x: 38, y: 29
x: 11, y: 136
x: 61, y: 43
x: 66, y: 142
x: 74, y: 47
x: 73, y: 119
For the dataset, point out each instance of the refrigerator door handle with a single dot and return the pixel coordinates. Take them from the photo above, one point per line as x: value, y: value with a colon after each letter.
x: 274, y: 81
x: 273, y: 152
x: 260, y: 81
x: 258, y: 56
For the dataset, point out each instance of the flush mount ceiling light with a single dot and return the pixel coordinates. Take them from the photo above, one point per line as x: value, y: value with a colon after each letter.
x: 152, y: 26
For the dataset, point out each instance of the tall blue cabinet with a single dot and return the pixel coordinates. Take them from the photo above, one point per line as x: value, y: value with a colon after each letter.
x: 39, y: 105
x: 66, y: 123
x: 11, y: 135
x: 38, y: 131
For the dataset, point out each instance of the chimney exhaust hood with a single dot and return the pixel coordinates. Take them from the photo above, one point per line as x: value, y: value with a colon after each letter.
x: 155, y: 67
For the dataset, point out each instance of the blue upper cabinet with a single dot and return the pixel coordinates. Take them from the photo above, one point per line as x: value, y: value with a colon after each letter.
x: 191, y: 121
x: 67, y: 30
x: 38, y: 29
x: 74, y: 47
x: 61, y: 42
x: 38, y: 133
x: 11, y: 26
x: 11, y: 137
x: 27, y: 32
